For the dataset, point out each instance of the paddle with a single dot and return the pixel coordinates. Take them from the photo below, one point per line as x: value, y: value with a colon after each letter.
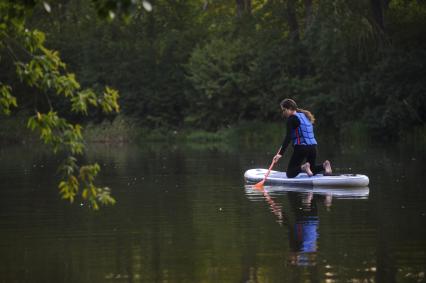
x: 260, y: 184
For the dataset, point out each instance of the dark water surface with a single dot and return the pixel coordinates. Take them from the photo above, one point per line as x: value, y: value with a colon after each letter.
x: 183, y: 214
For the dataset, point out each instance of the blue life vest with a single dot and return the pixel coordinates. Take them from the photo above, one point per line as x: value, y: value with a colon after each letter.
x: 304, y: 134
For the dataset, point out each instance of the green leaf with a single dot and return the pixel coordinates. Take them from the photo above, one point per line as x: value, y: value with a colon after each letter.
x: 7, y: 100
x: 109, y: 101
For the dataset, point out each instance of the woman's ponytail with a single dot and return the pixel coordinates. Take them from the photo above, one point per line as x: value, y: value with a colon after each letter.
x: 308, y: 114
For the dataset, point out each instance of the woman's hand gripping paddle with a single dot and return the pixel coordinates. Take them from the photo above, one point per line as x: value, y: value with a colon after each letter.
x: 260, y: 184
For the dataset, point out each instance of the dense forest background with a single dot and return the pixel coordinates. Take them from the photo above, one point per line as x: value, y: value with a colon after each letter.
x: 210, y: 64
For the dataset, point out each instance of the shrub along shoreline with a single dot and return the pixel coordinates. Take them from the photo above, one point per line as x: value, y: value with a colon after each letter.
x: 123, y: 130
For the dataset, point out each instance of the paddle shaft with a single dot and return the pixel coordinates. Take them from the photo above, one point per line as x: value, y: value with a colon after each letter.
x: 269, y: 170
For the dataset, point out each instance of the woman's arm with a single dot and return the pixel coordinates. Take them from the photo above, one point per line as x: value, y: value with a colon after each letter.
x: 292, y: 123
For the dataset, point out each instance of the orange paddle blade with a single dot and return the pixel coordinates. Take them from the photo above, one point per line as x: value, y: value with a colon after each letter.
x: 260, y: 184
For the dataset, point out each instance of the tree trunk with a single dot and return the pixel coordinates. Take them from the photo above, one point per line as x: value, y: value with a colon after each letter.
x: 292, y: 20
x: 308, y: 13
x: 243, y: 7
x: 378, y: 7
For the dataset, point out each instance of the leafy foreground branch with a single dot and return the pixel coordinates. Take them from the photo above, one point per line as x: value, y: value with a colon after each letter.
x: 42, y: 70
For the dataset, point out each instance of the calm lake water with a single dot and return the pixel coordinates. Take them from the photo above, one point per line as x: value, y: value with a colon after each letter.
x: 183, y: 214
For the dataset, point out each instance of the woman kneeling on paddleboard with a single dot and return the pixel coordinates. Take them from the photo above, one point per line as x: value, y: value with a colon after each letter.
x: 301, y: 132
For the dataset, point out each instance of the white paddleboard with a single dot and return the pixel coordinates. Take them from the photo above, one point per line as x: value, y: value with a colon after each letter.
x: 254, y: 176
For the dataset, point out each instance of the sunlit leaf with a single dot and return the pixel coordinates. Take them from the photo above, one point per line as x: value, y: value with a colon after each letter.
x: 47, y: 7
x: 147, y: 5
x: 111, y: 15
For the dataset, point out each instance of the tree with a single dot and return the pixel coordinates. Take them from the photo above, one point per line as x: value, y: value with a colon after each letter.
x: 45, y: 75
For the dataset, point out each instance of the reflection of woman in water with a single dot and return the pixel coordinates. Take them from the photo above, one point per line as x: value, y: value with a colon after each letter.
x: 303, y: 233
x: 303, y: 227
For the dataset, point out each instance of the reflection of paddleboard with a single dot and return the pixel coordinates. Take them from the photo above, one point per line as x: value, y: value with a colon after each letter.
x: 338, y: 192
x: 253, y: 176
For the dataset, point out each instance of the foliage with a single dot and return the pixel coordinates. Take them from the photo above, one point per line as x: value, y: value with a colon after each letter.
x: 45, y: 74
x: 206, y: 65
x: 121, y: 130
x: 398, y: 92
x: 7, y: 100
x: 218, y: 73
